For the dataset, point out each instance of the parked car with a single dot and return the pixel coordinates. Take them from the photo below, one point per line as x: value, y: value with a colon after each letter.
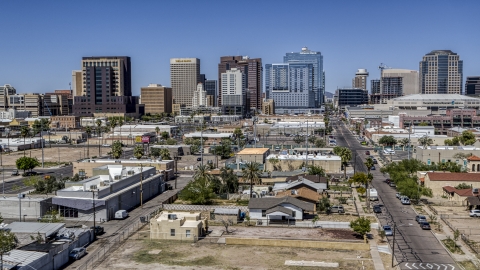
x: 392, y: 184
x: 405, y: 201
x: 420, y: 219
x: 377, y: 209
x: 425, y: 226
x: 15, y: 172
x: 337, y: 209
x: 388, y: 151
x: 372, y: 168
x: 398, y: 195
x: 30, y: 174
x: 375, y: 161
x: 199, y: 159
x: 388, y: 230
x: 474, y: 213
x: 98, y: 230
x: 367, y: 153
x: 77, y: 253
x: 106, y: 145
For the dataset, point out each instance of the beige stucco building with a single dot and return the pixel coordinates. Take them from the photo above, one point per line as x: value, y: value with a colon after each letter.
x: 330, y: 163
x: 437, y: 180
x: 258, y: 155
x: 436, y: 154
x: 185, y: 226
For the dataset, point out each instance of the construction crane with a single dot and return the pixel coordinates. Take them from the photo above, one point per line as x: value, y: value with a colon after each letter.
x: 45, y: 103
x: 382, y: 66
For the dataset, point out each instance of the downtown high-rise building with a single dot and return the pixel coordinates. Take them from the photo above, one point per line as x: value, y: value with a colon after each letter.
x: 306, y: 56
x: 106, y: 86
x: 234, y: 88
x: 290, y: 86
x: 211, y: 89
x: 252, y: 68
x: 472, y: 86
x: 184, y: 76
x: 395, y: 83
x: 441, y: 72
x: 360, y: 80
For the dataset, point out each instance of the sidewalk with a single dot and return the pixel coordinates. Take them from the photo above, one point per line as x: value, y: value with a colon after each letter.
x: 447, y: 232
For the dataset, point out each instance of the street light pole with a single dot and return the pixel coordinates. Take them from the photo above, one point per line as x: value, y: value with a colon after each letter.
x: 94, y: 224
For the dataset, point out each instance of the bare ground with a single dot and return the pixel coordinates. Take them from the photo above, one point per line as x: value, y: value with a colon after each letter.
x: 56, y: 154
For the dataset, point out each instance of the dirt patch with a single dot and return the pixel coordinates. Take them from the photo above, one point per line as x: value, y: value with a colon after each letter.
x: 182, y: 256
x: 55, y: 154
x: 291, y: 233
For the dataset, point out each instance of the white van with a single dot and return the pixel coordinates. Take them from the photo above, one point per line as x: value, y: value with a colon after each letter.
x: 121, y: 214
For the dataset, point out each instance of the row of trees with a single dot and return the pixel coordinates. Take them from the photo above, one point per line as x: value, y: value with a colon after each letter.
x: 467, y: 138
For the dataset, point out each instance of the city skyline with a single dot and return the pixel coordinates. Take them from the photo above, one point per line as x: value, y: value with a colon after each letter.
x: 58, y: 36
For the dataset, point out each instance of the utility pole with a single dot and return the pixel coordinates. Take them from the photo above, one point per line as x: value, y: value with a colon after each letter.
x: 41, y: 141
x: 94, y: 224
x: 141, y: 185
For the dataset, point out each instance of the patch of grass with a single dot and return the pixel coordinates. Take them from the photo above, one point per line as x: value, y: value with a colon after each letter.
x: 452, y: 246
x: 202, y: 261
x: 468, y: 265
x: 242, y: 202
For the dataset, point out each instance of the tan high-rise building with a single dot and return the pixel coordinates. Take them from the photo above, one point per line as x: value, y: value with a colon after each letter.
x: 441, y: 72
x: 184, y: 76
x: 157, y: 99
x: 360, y: 80
x: 77, y: 82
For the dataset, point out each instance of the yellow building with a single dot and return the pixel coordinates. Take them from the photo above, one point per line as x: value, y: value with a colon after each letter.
x: 157, y: 99
x: 185, y: 226
x: 258, y: 155
x: 268, y: 106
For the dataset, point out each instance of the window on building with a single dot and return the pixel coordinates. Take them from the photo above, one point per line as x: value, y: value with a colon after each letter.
x: 172, y: 232
x: 187, y: 233
x: 264, y: 213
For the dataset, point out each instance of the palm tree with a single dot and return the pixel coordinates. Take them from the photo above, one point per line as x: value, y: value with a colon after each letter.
x: 157, y: 130
x: 165, y: 154
x: 24, y: 132
x: 98, y: 122
x: 252, y: 174
x: 425, y: 141
x: 202, y: 172
x: 88, y: 130
x: 369, y: 164
x: 113, y: 124
x: 345, y: 155
x: 138, y: 152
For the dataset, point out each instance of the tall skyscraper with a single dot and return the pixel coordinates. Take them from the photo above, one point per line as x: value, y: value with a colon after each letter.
x: 360, y: 80
x: 441, y: 72
x: 472, y: 86
x: 394, y: 83
x: 211, y: 88
x: 77, y: 87
x: 106, y: 86
x: 290, y: 86
x: 375, y: 87
x: 316, y: 59
x: 234, y: 85
x: 184, y: 76
x: 252, y: 68
x: 199, y: 97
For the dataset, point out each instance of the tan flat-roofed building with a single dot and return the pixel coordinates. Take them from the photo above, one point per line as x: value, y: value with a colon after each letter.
x: 65, y: 121
x: 157, y: 99
x: 258, y: 155
x: 185, y: 226
x: 184, y: 76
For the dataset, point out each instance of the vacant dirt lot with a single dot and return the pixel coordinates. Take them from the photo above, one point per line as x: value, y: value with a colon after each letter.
x: 468, y: 226
x: 145, y: 254
x: 293, y: 233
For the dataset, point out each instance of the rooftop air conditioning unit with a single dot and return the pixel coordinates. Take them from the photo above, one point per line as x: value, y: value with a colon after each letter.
x: 131, y: 172
x: 93, y: 187
x: 117, y: 177
x: 172, y: 216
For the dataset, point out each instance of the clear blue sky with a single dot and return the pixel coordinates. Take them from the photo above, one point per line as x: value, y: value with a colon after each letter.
x: 43, y: 41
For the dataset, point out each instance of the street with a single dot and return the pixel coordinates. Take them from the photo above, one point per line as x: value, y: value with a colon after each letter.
x: 414, y: 247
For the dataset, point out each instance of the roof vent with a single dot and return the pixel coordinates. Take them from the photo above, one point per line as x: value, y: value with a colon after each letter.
x: 172, y: 216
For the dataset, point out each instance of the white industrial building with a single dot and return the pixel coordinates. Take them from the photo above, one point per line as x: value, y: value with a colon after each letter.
x: 112, y: 188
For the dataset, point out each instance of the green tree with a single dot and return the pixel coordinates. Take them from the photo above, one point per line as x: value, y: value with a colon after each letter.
x: 138, y: 151
x: 98, y: 122
x: 252, y: 173
x: 316, y: 170
x: 387, y: 140
x: 157, y: 131
x: 224, y: 150
x: 425, y: 141
x: 361, y: 190
x: 113, y: 124
x: 27, y: 163
x: 298, y: 139
x: 467, y: 138
x: 120, y: 124
x: 423, y: 124
x: 312, y: 139
x: 117, y: 149
x: 8, y: 241
x: 463, y: 186
x: 361, y: 226
x: 229, y: 180
x: 165, y: 135
x: 155, y: 152
x: 51, y: 216
x: 88, y: 130
x: 171, y: 141
x: 202, y: 171
x: 24, y: 132
x: 323, y: 204
x: 320, y: 143
x: 404, y: 142
x: 198, y: 191
x: 345, y: 155
x: 165, y: 154
x: 369, y: 164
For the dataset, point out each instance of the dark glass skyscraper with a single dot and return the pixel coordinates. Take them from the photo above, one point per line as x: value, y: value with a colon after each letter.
x: 472, y: 86
x: 211, y: 89
x: 316, y: 59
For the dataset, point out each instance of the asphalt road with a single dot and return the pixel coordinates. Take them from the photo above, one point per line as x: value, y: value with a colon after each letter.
x: 414, y: 248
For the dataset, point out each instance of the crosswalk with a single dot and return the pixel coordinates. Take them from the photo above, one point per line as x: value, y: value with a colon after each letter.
x: 430, y: 266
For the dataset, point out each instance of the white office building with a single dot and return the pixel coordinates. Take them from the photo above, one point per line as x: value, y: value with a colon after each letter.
x: 199, y: 97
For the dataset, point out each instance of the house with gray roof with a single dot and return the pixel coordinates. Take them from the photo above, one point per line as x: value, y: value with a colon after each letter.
x: 279, y: 209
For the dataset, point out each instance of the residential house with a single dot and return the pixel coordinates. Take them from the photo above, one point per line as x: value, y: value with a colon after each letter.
x: 279, y: 209
x: 185, y: 226
x: 473, y: 164
x: 458, y: 196
x: 437, y: 180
